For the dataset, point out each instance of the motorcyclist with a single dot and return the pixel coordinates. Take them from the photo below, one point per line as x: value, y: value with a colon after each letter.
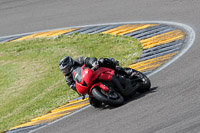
x: 67, y: 65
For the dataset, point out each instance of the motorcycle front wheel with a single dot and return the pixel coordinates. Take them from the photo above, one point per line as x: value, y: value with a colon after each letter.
x: 111, y: 97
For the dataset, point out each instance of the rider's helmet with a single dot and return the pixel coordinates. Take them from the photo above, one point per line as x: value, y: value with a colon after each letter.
x: 66, y: 64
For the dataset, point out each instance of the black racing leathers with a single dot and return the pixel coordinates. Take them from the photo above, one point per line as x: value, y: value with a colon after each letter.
x: 91, y: 62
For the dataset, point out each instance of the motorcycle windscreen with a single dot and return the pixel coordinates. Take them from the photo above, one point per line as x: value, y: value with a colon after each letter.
x: 77, y: 75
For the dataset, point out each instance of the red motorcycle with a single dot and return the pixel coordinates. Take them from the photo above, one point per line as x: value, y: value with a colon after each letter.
x: 108, y: 86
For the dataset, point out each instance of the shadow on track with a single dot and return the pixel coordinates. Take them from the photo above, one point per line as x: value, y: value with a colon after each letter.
x: 130, y: 99
x: 140, y: 95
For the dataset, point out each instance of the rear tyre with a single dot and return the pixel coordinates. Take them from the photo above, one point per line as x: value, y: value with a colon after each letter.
x: 145, y: 83
x: 111, y: 98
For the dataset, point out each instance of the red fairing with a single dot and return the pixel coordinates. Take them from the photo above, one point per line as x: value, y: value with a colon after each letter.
x: 104, y: 73
x: 105, y: 88
x: 88, y: 76
x: 107, y: 75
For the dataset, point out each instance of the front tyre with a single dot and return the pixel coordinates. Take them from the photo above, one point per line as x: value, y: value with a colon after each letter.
x: 145, y: 83
x: 112, y: 97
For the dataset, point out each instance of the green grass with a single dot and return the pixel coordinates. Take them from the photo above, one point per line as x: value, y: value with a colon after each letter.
x: 30, y: 81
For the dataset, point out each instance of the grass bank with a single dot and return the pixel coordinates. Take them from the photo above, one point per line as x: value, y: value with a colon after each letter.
x: 30, y: 81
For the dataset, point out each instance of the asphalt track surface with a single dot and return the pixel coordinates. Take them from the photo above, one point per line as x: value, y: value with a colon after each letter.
x: 174, y: 103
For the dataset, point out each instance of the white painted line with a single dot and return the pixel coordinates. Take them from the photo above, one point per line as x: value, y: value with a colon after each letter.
x: 190, y: 38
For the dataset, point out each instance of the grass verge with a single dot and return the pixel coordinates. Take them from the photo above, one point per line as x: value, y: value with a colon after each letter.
x: 30, y: 81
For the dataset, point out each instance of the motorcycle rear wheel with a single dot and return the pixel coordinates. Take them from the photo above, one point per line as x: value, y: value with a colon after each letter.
x: 110, y: 98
